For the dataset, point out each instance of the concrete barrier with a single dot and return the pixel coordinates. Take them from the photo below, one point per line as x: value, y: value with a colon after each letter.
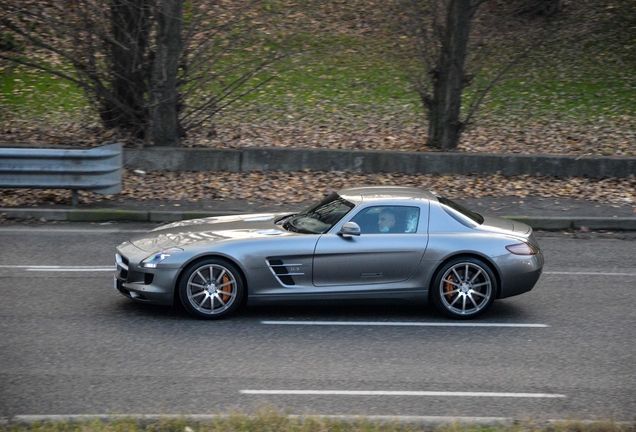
x: 183, y: 159
x: 291, y: 159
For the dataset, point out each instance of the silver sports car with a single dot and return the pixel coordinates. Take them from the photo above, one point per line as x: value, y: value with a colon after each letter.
x: 358, y: 243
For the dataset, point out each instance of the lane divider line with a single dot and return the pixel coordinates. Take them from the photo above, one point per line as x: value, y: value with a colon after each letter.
x: 73, y: 230
x: 402, y: 324
x: 587, y: 273
x: 60, y: 268
x: 400, y: 393
x: 101, y: 269
x: 45, y: 267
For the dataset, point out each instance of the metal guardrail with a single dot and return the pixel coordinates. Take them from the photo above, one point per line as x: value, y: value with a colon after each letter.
x: 97, y: 170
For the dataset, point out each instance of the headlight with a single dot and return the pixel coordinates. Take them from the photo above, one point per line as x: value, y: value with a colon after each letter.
x: 153, y: 260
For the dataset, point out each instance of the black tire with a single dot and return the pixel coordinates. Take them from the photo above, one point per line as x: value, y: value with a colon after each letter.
x: 464, y: 288
x: 211, y: 289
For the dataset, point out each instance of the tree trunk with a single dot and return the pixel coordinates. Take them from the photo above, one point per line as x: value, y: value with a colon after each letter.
x: 445, y: 126
x: 164, y: 121
x: 130, y: 23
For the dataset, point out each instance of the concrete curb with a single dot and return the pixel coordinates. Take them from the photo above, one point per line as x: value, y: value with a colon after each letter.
x: 555, y: 223
x: 109, y: 215
x: 426, y: 421
x: 146, y: 420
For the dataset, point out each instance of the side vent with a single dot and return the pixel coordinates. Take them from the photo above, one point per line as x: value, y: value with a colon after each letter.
x: 282, y: 272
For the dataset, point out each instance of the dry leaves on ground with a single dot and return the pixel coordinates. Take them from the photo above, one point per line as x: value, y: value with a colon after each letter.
x: 613, y: 137
x: 273, y: 187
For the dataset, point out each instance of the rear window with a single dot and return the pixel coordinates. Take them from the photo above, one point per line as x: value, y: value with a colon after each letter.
x: 446, y: 203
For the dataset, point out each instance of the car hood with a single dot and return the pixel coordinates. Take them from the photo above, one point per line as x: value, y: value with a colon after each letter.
x: 495, y: 224
x: 194, y: 231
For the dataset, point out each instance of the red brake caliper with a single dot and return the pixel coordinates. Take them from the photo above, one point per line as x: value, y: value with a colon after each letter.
x: 448, y: 287
x: 225, y: 280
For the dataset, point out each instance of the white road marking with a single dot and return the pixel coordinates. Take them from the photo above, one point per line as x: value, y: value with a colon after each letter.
x: 74, y: 230
x: 401, y: 324
x: 105, y: 268
x: 587, y: 273
x: 400, y: 393
x: 61, y: 268
x: 100, y: 269
x: 50, y: 266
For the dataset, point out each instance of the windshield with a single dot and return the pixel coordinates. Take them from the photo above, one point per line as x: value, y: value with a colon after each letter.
x: 321, y: 217
x: 476, y: 217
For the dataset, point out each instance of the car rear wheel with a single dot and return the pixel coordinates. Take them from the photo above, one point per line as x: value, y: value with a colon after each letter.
x: 464, y: 288
x: 211, y: 289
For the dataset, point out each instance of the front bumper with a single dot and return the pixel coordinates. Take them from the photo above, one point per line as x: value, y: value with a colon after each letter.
x: 154, y: 286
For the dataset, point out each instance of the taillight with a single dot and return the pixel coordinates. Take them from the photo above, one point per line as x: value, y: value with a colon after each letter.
x: 523, y: 249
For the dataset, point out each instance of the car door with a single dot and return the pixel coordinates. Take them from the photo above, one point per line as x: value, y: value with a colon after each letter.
x: 374, y: 257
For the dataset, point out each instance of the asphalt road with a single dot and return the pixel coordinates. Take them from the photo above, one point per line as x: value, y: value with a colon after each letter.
x: 70, y: 344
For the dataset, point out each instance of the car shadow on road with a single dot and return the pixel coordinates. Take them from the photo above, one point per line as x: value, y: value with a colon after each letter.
x: 390, y: 311
x: 339, y: 311
x: 127, y: 307
x: 501, y: 311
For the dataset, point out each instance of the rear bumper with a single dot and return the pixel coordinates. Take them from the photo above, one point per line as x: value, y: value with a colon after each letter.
x: 519, y: 273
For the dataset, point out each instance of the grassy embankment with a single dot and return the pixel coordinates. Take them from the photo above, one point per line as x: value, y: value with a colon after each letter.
x: 349, y: 81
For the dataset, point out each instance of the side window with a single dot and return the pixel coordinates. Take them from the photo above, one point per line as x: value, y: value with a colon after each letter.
x: 388, y: 219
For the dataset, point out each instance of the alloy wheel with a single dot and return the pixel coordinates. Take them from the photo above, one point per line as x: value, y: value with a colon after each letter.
x: 465, y: 289
x: 211, y: 289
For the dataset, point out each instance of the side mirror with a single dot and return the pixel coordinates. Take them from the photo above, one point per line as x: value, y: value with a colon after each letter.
x: 350, y: 229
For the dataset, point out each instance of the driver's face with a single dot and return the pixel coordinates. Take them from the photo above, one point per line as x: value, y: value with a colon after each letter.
x: 386, y: 221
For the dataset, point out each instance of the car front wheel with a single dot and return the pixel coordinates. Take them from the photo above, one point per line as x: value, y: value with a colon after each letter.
x: 464, y: 288
x: 211, y: 289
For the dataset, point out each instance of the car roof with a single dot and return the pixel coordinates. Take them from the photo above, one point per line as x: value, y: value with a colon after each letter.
x: 368, y: 193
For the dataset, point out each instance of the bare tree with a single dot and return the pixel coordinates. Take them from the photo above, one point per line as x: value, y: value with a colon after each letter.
x: 127, y: 57
x: 441, y: 32
x: 164, y: 120
x: 150, y: 67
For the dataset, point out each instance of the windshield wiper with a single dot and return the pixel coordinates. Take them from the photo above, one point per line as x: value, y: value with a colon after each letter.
x: 289, y: 227
x: 284, y: 219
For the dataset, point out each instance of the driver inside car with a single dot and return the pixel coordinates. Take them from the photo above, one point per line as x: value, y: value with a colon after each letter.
x: 386, y: 221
